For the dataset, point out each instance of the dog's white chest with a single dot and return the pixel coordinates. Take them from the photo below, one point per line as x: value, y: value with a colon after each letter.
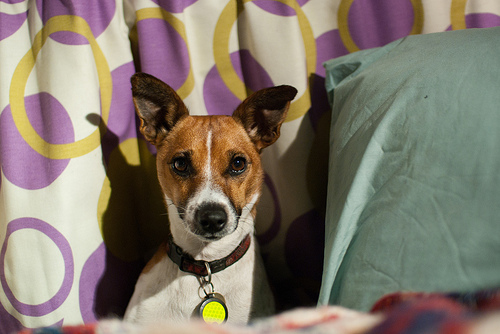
x: 166, y: 293
x: 158, y: 298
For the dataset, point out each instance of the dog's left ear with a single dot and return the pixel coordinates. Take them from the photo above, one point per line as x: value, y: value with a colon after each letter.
x: 263, y: 112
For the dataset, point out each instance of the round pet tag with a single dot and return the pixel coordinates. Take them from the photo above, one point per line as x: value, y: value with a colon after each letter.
x: 213, y: 309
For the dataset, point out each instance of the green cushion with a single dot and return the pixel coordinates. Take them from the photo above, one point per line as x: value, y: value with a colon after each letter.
x: 414, y: 173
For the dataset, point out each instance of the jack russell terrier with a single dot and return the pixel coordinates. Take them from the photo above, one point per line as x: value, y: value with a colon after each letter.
x: 209, y: 170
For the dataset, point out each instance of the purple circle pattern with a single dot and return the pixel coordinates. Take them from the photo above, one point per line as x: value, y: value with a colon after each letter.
x: 96, y: 13
x: 9, y: 323
x: 11, y: 23
x: 23, y: 166
x: 65, y: 249
x: 278, y: 8
x: 374, y: 23
x: 219, y: 100
x: 275, y: 7
x: 162, y: 48
x: 120, y: 122
x: 111, y: 283
x: 92, y: 271
x: 480, y: 20
x: 174, y: 6
x: 121, y: 125
x: 328, y: 46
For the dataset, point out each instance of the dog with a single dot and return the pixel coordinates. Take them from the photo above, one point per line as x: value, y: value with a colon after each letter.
x: 209, y: 170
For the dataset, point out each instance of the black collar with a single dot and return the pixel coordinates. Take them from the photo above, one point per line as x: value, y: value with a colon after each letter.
x: 188, y: 264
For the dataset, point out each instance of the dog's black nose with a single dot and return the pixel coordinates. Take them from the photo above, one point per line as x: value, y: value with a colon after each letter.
x: 211, y: 217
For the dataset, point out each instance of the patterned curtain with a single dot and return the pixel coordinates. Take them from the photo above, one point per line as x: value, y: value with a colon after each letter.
x: 80, y: 209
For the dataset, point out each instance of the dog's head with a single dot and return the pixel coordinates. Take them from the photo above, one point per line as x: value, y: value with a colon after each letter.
x: 209, y: 166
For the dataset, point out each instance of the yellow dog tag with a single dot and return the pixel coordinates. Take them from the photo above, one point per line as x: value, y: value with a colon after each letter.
x: 213, y: 309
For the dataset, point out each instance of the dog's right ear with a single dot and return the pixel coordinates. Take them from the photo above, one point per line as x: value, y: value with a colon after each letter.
x: 157, y: 105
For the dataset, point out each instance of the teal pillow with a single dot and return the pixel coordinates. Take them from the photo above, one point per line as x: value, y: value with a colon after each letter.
x: 414, y: 173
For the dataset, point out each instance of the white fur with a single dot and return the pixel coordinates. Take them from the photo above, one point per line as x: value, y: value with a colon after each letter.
x: 207, y: 169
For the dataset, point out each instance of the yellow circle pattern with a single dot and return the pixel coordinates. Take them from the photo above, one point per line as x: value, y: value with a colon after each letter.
x: 23, y: 70
x: 178, y: 25
x: 343, y: 22
x: 228, y: 74
x: 457, y: 14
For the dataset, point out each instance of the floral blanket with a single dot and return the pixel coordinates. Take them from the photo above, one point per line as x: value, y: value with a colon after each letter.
x: 405, y: 312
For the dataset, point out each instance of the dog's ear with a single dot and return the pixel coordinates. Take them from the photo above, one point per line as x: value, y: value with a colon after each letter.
x: 157, y: 105
x: 263, y: 112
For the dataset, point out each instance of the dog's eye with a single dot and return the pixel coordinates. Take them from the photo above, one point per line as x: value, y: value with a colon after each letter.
x: 180, y: 166
x: 238, y: 166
